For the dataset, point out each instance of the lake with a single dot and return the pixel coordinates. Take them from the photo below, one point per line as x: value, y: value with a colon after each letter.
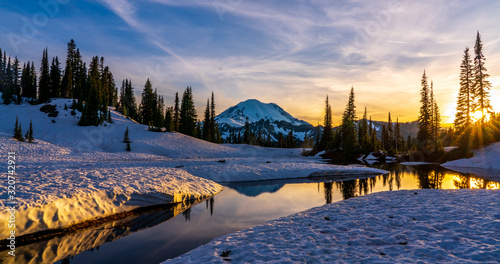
x: 170, y: 231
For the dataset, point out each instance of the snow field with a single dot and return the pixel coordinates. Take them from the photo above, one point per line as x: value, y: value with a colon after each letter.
x: 429, y: 226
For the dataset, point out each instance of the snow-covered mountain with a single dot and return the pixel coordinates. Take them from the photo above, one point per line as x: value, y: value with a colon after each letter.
x: 264, y: 118
x: 255, y: 111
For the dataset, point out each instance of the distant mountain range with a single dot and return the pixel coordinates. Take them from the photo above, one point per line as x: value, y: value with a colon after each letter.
x: 272, y: 119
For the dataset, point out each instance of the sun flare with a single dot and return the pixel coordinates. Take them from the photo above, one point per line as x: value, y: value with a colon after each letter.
x: 478, y: 115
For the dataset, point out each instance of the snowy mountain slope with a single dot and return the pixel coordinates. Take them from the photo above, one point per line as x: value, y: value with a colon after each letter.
x: 265, y: 118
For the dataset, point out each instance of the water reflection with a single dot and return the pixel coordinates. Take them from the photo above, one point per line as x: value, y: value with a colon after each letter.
x: 65, y: 246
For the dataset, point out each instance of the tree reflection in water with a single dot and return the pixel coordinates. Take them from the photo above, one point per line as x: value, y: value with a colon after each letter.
x: 210, y: 204
x: 468, y: 181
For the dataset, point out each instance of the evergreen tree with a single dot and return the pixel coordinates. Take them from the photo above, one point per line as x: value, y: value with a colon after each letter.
x: 246, y: 134
x: 363, y: 137
x: 348, y: 128
x: 28, y: 81
x: 327, y: 137
x: 34, y: 82
x: 176, y: 112
x: 373, y: 137
x: 8, y: 81
x: 424, y: 120
x: 207, y: 135
x: 126, y: 138
x: 18, y: 132
x: 481, y: 83
x: 390, y: 134
x: 198, y: 131
x: 55, y: 78
x: 127, y: 104
x: 281, y: 143
x: 147, y: 104
x: 44, y: 82
x: 91, y: 113
x: 436, y: 124
x: 128, y: 147
x: 29, y: 133
x: 187, y: 114
x: 385, y: 138
x: 290, y: 140
x: 397, y: 136
x: 169, y: 119
x: 16, y: 81
x: 67, y: 83
x: 214, y: 129
x: 463, y: 117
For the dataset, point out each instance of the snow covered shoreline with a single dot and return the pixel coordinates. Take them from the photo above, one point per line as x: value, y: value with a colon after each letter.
x: 485, y: 162
x: 438, y: 226
x: 51, y: 198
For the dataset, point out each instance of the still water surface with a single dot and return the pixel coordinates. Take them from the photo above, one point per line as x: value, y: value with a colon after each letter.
x: 160, y: 235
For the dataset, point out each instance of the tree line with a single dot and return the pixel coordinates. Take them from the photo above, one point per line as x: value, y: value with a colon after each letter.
x: 93, y: 89
x: 356, y: 137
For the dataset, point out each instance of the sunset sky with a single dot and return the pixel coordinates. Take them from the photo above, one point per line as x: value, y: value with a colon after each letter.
x: 292, y: 53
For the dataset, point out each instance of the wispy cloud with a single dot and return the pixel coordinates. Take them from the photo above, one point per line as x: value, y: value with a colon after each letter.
x: 294, y: 53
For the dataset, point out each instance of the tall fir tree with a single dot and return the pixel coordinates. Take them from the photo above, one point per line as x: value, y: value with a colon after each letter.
x: 44, y: 82
x: 247, y: 132
x: 397, y: 136
x: 29, y: 133
x: 127, y: 104
x: 207, y: 135
x: 424, y: 119
x: 482, y: 85
x: 55, y: 78
x: 187, y: 113
x: 16, y: 83
x: 214, y: 131
x: 348, y: 128
x: 91, y: 114
x: 169, y: 119
x: 390, y: 133
x: 29, y: 82
x: 147, y: 104
x: 176, y: 112
x: 463, y: 116
x: 363, y: 137
x: 327, y: 136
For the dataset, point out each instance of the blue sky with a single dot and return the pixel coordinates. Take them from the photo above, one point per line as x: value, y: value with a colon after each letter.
x: 292, y: 53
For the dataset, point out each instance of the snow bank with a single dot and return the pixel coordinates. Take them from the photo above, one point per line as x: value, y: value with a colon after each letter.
x: 51, y: 198
x: 61, y: 247
x: 432, y: 226
x: 487, y: 158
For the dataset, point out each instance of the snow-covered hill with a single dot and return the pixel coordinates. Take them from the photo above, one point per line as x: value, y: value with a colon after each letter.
x: 266, y: 118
